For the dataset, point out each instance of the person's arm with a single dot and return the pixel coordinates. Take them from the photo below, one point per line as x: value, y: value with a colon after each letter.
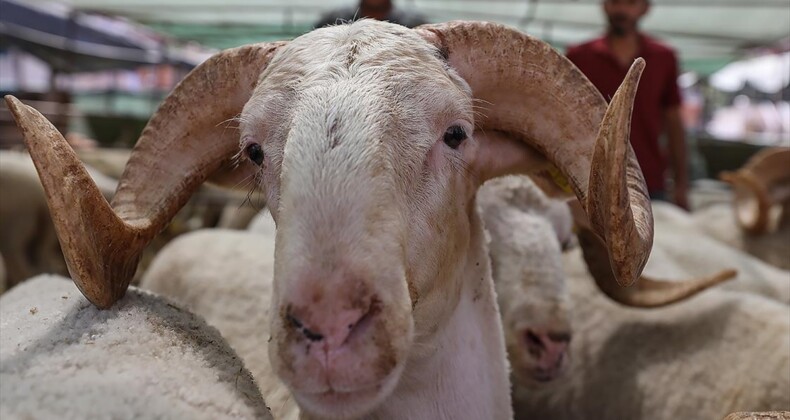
x: 676, y: 142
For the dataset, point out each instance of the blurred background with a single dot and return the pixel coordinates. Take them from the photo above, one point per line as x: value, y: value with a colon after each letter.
x: 98, y: 68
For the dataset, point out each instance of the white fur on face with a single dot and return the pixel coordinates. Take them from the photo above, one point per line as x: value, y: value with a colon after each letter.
x: 372, y: 207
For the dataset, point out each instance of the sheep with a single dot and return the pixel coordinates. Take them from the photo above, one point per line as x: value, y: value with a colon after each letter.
x: 527, y: 231
x: 720, y: 352
x: 684, y: 248
x: 762, y: 189
x: 527, y: 259
x: 365, y: 141
x: 60, y: 357
x: 27, y: 237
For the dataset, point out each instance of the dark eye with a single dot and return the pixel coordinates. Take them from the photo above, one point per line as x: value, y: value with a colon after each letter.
x: 454, y: 136
x: 255, y: 153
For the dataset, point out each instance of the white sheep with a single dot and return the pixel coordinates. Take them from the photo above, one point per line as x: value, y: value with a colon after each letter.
x: 60, y: 357
x: 367, y: 143
x: 528, y: 271
x: 524, y: 248
x: 720, y: 352
x: 527, y: 230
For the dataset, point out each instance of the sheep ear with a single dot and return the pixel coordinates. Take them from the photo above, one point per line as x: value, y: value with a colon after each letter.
x: 499, y: 154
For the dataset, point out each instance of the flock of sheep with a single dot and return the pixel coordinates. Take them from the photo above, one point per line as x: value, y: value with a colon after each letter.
x: 384, y: 284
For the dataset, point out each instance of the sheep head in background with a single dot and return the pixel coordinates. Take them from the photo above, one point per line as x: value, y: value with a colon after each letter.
x: 527, y: 230
x: 527, y: 270
x: 762, y: 184
x: 370, y: 141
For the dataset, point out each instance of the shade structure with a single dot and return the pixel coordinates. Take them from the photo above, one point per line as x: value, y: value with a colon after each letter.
x: 70, y: 41
x: 708, y: 34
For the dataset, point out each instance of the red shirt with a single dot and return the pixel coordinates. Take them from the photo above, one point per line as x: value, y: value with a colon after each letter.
x: 658, y: 90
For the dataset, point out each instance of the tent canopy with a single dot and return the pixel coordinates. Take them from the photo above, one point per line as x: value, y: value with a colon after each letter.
x: 708, y: 34
x: 73, y: 42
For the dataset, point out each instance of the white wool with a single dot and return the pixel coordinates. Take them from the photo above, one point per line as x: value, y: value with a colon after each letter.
x: 718, y: 221
x: 60, y: 357
x: 226, y: 276
x: 714, y: 354
x: 681, y: 249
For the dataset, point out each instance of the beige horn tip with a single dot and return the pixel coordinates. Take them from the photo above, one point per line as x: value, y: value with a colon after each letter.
x: 101, y: 251
x: 617, y: 201
x: 653, y: 293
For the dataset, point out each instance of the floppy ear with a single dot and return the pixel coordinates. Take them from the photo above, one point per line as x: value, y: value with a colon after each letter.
x: 499, y: 154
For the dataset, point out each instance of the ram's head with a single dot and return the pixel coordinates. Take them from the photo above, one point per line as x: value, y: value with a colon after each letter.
x: 370, y: 141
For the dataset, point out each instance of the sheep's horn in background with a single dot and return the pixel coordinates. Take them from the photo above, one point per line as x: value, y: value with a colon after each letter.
x: 535, y: 94
x: 181, y: 147
x: 761, y: 183
x: 647, y: 292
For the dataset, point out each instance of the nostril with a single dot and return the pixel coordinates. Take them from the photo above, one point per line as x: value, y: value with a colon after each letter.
x: 540, y: 342
x: 535, y: 345
x: 299, y: 326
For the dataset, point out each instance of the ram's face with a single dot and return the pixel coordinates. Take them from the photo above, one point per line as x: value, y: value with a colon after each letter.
x: 364, y: 140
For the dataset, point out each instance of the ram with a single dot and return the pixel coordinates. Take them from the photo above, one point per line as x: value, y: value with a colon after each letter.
x: 370, y: 141
x: 62, y: 358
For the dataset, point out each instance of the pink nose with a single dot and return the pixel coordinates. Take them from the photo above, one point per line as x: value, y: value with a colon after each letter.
x: 549, y: 349
x: 333, y: 329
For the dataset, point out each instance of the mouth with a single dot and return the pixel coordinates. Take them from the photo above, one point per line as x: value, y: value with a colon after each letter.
x: 335, y: 403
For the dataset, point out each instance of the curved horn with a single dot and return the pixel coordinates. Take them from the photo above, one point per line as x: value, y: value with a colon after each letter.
x: 183, y: 144
x: 538, y: 95
x: 647, y: 292
x: 763, y: 181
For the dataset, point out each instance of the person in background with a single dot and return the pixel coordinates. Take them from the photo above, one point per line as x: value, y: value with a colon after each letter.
x: 605, y: 61
x: 372, y: 9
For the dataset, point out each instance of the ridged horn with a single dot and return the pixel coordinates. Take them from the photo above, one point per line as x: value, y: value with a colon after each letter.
x: 183, y: 144
x: 536, y: 94
x: 647, y: 292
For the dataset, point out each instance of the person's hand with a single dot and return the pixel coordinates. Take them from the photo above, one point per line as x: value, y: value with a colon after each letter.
x: 681, y: 196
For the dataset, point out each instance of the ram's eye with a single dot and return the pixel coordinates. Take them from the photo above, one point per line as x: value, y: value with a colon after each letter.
x: 454, y: 136
x: 255, y: 153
